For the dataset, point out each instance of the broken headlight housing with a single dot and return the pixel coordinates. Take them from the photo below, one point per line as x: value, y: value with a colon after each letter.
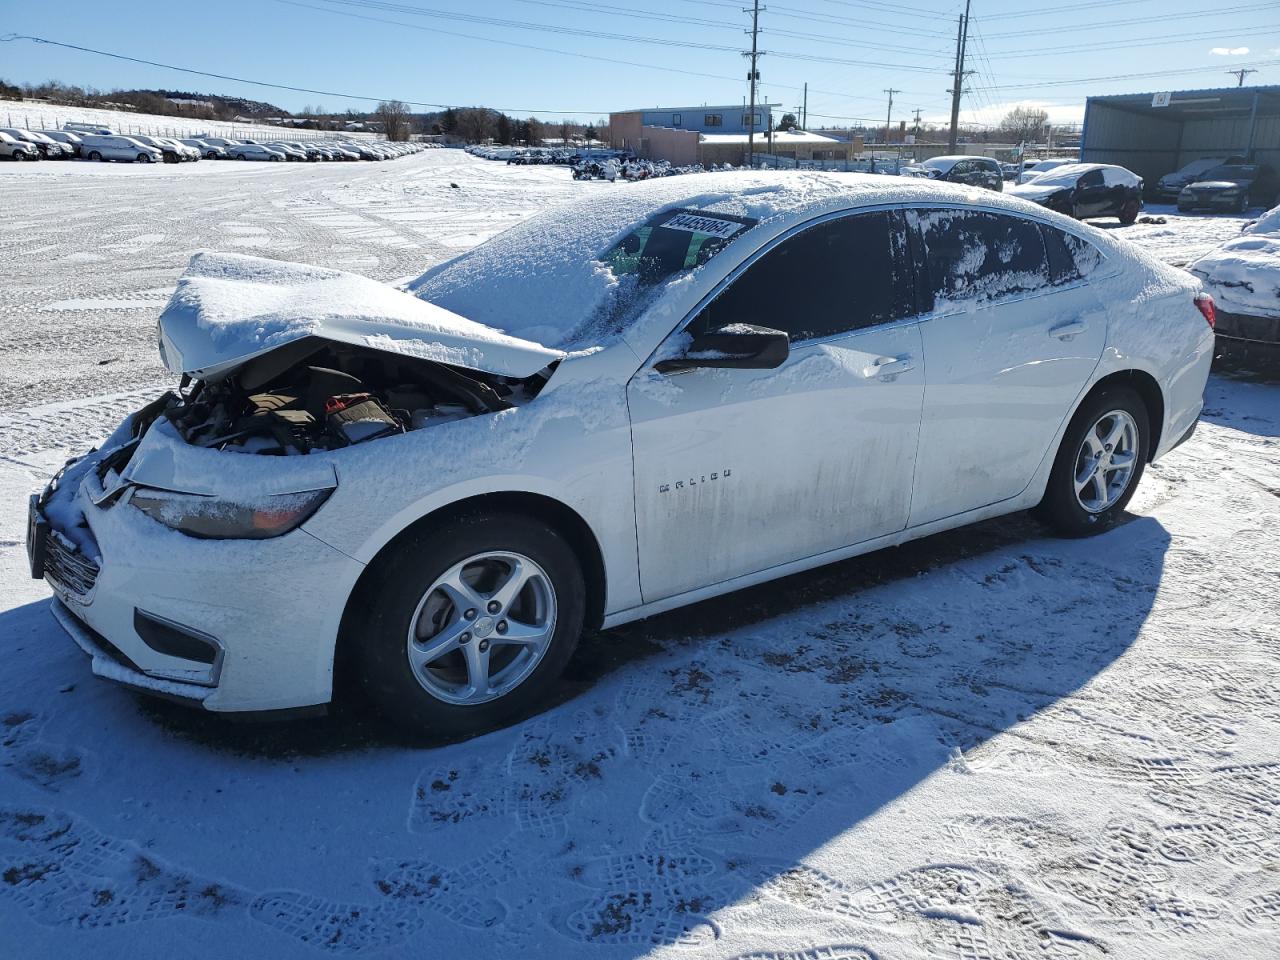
x: 215, y: 518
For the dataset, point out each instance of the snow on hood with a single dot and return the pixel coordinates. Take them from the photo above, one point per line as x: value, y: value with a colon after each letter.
x: 1033, y: 191
x: 229, y: 308
x: 542, y: 279
x: 1243, y: 274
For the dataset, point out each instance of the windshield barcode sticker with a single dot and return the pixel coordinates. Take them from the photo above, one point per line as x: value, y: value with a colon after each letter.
x: 697, y: 223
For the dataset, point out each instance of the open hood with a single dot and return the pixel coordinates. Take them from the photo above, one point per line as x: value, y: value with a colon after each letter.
x: 229, y: 308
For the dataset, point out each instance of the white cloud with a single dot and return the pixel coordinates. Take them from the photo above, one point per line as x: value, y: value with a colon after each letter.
x: 1229, y: 51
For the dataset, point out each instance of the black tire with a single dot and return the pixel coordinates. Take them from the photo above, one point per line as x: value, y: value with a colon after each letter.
x: 376, y: 638
x: 144, y: 158
x: 1060, y: 507
x: 95, y: 155
x: 1129, y: 212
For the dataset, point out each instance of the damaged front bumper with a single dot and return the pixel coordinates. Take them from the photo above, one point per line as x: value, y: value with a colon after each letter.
x: 228, y: 625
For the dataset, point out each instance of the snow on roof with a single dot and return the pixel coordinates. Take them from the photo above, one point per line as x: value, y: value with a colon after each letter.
x: 780, y: 138
x: 542, y: 279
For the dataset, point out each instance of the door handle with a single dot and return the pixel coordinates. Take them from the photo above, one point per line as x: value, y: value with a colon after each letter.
x: 1064, y: 331
x: 886, y: 367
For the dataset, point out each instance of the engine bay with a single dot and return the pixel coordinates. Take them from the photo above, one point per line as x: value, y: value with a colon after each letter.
x: 321, y: 395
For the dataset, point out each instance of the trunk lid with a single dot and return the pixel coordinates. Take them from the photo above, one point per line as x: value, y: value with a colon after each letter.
x: 229, y: 309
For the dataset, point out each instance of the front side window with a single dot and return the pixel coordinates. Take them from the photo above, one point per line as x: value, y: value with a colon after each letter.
x: 838, y: 276
x: 979, y: 256
x: 713, y: 120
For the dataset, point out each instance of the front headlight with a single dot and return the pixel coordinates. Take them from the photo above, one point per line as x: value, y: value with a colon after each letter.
x: 213, y: 518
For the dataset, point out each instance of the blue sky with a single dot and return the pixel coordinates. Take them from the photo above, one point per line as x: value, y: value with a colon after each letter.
x: 848, y: 51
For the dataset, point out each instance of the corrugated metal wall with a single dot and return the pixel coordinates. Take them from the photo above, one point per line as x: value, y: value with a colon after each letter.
x: 1145, y: 144
x: 1152, y: 146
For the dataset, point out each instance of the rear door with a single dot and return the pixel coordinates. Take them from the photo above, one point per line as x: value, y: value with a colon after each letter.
x: 738, y: 471
x: 1011, y: 341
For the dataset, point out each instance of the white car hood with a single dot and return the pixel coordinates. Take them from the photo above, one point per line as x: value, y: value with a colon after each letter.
x: 229, y: 308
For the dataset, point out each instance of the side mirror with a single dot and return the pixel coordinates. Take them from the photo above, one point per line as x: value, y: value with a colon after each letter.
x: 741, y: 345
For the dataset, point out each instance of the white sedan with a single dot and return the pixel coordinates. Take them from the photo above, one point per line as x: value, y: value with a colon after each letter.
x: 621, y: 406
x: 253, y: 151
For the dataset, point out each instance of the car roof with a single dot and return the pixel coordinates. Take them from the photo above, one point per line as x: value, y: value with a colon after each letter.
x: 541, y: 278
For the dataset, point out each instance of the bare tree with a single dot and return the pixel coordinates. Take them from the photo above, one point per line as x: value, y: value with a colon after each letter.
x: 1023, y: 124
x: 394, y: 117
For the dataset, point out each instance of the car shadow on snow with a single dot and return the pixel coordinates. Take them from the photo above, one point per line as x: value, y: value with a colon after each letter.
x: 693, y: 795
x: 351, y: 723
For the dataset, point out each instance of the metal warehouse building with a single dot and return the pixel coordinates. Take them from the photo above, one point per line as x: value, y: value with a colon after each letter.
x: 1156, y: 133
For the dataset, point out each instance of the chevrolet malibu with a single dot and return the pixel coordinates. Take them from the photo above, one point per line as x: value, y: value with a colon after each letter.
x: 622, y: 406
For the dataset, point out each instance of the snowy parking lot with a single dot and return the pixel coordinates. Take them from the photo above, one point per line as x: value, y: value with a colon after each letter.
x: 986, y: 745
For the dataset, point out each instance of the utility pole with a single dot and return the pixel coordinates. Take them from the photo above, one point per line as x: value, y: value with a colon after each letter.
x: 754, y: 76
x: 889, y: 116
x: 916, y: 129
x: 1241, y: 74
x: 804, y: 113
x: 957, y: 80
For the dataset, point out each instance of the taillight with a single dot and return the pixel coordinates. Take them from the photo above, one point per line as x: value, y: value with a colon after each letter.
x: 1205, y: 304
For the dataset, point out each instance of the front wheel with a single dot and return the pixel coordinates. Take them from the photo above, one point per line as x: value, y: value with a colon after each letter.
x: 144, y: 158
x: 1129, y: 212
x: 470, y: 623
x: 94, y: 155
x: 1243, y: 205
x: 1099, y: 463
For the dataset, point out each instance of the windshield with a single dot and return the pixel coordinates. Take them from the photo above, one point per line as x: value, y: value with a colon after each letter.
x: 672, y: 241
x: 1062, y: 177
x: 1231, y: 172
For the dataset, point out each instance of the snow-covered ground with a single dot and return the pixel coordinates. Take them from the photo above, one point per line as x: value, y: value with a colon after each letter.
x: 989, y: 745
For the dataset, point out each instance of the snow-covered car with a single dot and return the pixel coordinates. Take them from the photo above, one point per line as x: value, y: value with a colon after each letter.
x: 1086, y: 191
x: 1244, y: 277
x: 11, y: 148
x: 170, y: 151
x: 210, y: 151
x: 1233, y: 186
x: 253, y: 151
x: 973, y: 171
x: 49, y: 149
x: 613, y: 409
x: 1170, y: 185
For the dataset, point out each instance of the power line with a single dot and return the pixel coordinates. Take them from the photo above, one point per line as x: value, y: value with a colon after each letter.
x: 1094, y: 27
x: 275, y: 86
x: 1152, y: 40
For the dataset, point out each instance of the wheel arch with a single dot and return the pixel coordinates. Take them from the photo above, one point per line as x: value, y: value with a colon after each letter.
x: 1148, y: 388
x: 557, y: 514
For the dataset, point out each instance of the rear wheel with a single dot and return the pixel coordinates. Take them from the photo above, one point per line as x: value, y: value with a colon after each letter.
x: 470, y: 623
x: 1099, y: 463
x: 94, y: 155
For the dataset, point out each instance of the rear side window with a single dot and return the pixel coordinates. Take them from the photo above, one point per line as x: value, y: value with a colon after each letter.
x: 1070, y: 258
x: 979, y: 256
x: 836, y: 277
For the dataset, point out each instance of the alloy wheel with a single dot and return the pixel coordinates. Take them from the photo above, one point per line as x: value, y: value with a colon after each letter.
x: 1105, y: 462
x: 482, y: 628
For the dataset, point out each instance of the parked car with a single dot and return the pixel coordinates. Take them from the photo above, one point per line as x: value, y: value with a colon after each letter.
x: 1234, y: 186
x: 97, y: 147
x: 171, y: 152
x: 973, y: 171
x: 290, y: 151
x: 1170, y: 185
x: 253, y: 151
x: 94, y: 128
x: 1086, y: 191
x: 1244, y: 276
x: 208, y: 150
x: 11, y: 148
x: 49, y: 149
x: 70, y: 141
x: 483, y: 480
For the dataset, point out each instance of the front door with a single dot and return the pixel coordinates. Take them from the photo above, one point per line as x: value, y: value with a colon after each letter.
x: 738, y: 471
